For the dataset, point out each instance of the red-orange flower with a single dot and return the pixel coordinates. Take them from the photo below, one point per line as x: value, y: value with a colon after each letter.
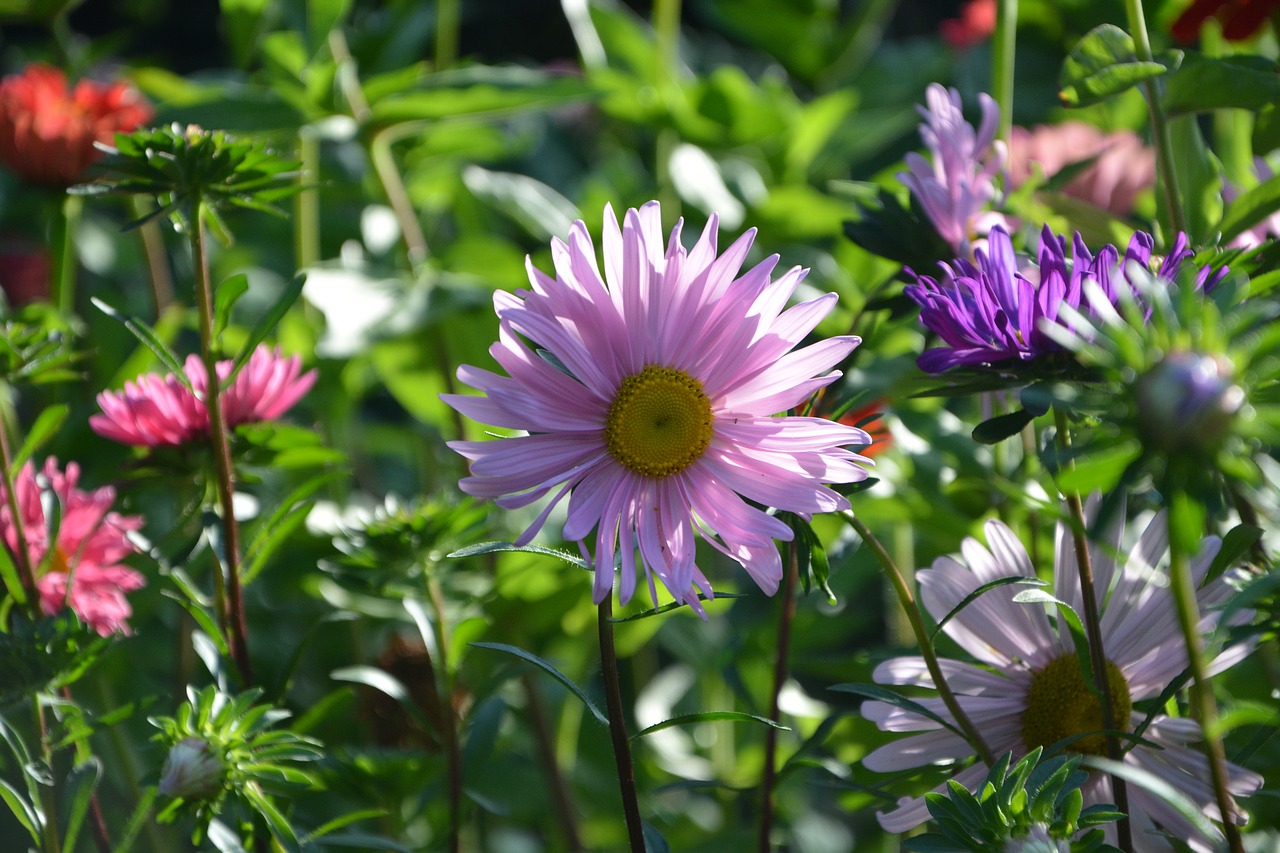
x: 870, y: 419
x: 1240, y: 18
x: 47, y: 128
x: 977, y: 21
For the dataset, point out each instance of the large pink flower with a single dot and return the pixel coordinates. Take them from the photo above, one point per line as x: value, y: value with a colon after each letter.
x: 48, y: 130
x: 160, y: 411
x: 86, y: 552
x: 648, y: 394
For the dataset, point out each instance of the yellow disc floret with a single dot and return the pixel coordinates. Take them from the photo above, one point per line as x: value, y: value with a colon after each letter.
x: 1060, y: 705
x: 660, y: 422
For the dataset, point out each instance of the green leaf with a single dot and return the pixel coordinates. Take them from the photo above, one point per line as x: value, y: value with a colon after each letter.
x: 550, y: 670
x: 1157, y: 786
x: 323, y: 16
x: 225, y: 296
x: 653, y: 840
x: 77, y: 790
x: 1102, y: 64
x: 709, y: 717
x: 267, y: 323
x: 1235, y: 545
x: 341, y: 821
x: 1199, y: 178
x: 990, y: 585
x: 1100, y: 469
x: 48, y: 423
x: 1250, y: 209
x: 1240, y: 81
x: 997, y: 429
x: 23, y: 811
x: 144, y: 333
x: 479, y: 91
x: 492, y: 547
x: 649, y: 613
x: 1079, y: 639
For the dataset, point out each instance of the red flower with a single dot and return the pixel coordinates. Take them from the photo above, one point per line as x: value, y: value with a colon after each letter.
x: 47, y: 129
x: 1240, y: 18
x: 870, y: 419
x: 977, y: 21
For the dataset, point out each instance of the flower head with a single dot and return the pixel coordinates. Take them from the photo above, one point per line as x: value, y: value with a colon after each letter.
x: 1122, y: 165
x: 1030, y: 690
x: 977, y: 21
x: 994, y: 310
x: 84, y: 554
x: 161, y: 411
x: 959, y: 186
x: 1240, y: 18
x: 648, y: 394
x: 48, y: 130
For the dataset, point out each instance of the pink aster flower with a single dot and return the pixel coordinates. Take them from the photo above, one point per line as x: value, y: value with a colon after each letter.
x: 957, y: 189
x: 84, y: 556
x: 161, y: 411
x: 1122, y: 167
x: 648, y: 394
x: 1028, y: 690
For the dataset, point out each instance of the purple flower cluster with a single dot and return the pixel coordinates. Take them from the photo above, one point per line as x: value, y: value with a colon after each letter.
x: 994, y: 309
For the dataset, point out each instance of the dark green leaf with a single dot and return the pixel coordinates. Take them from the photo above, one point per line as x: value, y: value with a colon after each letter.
x: 1235, y: 545
x: 1157, y: 786
x: 1239, y: 81
x: 1102, y: 64
x: 550, y: 670
x: 997, y: 429
x: 709, y: 717
x: 880, y: 694
x: 653, y: 840
x: 77, y: 790
x: 225, y: 296
x: 1250, y: 209
x: 267, y: 323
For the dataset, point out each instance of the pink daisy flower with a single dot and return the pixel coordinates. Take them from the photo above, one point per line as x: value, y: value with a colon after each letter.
x: 1029, y: 690
x: 84, y: 555
x: 161, y: 411
x: 647, y: 394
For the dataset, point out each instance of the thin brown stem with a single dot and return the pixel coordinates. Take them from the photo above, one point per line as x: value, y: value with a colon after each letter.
x: 236, y: 625
x: 1093, y: 632
x: 769, y: 778
x: 907, y: 599
x: 618, y: 727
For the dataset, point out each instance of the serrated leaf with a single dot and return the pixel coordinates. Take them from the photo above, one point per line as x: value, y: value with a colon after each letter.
x: 1102, y: 64
x: 550, y: 670
x: 710, y: 717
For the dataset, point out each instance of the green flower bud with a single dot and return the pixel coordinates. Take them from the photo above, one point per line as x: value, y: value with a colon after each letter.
x: 192, y: 771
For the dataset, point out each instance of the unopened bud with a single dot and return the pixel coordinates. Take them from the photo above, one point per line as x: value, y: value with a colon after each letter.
x: 192, y: 771
x: 1037, y: 841
x: 1187, y: 402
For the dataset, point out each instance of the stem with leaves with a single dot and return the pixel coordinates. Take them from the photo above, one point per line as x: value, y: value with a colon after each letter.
x: 1160, y: 132
x: 232, y: 613
x: 909, y: 606
x: 1093, y: 630
x: 780, y: 668
x: 618, y: 727
x: 1204, y: 708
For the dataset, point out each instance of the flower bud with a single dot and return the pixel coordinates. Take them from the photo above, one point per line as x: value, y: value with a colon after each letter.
x: 192, y: 771
x: 1187, y: 401
x: 1037, y: 841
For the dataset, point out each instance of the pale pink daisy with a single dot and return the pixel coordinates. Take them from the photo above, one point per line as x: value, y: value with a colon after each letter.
x: 648, y: 394
x: 86, y: 552
x: 1029, y: 690
x: 161, y: 411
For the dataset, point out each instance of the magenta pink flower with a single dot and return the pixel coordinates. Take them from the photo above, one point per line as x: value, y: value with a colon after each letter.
x: 647, y: 395
x: 86, y: 552
x: 161, y: 411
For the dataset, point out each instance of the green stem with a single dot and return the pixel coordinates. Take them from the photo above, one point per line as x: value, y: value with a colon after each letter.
x: 909, y: 606
x: 27, y: 594
x: 1160, y: 131
x: 1204, y: 707
x: 780, y: 668
x: 448, y: 27
x: 306, y: 204
x: 66, y: 217
x: 48, y: 796
x: 618, y: 727
x: 233, y: 617
x: 1093, y: 631
x: 1002, y: 68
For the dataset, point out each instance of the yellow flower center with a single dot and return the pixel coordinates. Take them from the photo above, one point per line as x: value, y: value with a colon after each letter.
x: 1060, y: 705
x: 660, y: 422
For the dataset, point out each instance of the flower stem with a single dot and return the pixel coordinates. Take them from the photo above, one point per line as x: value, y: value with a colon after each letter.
x: 780, y: 667
x: 27, y: 594
x: 1160, y: 132
x: 909, y: 606
x: 618, y: 727
x: 233, y: 616
x: 1002, y: 74
x: 448, y: 26
x: 1093, y: 632
x: 66, y: 218
x: 1204, y: 708
x: 306, y: 204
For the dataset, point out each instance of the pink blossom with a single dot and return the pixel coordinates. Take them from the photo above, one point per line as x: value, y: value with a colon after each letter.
x: 1123, y: 167
x: 85, y: 553
x: 161, y: 411
x: 977, y: 21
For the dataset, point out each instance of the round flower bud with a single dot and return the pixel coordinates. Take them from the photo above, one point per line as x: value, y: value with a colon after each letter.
x: 1187, y: 401
x: 192, y: 771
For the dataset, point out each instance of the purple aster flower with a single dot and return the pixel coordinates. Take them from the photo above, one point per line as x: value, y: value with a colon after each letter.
x: 959, y: 185
x: 994, y: 309
x: 648, y: 396
x: 1029, y: 691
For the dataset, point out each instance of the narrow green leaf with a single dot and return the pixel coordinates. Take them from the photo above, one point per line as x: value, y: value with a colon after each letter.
x: 990, y: 585
x: 341, y: 821
x: 267, y: 323
x: 880, y: 694
x: 550, y: 670
x: 1102, y: 64
x: 493, y: 547
x: 1079, y: 639
x: 77, y: 791
x: 709, y: 717
x: 46, y: 425
x: 1235, y: 545
x: 225, y: 297
x: 669, y: 606
x: 1159, y: 787
x: 1249, y: 209
x: 384, y: 682
x: 149, y: 339
x: 21, y: 810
